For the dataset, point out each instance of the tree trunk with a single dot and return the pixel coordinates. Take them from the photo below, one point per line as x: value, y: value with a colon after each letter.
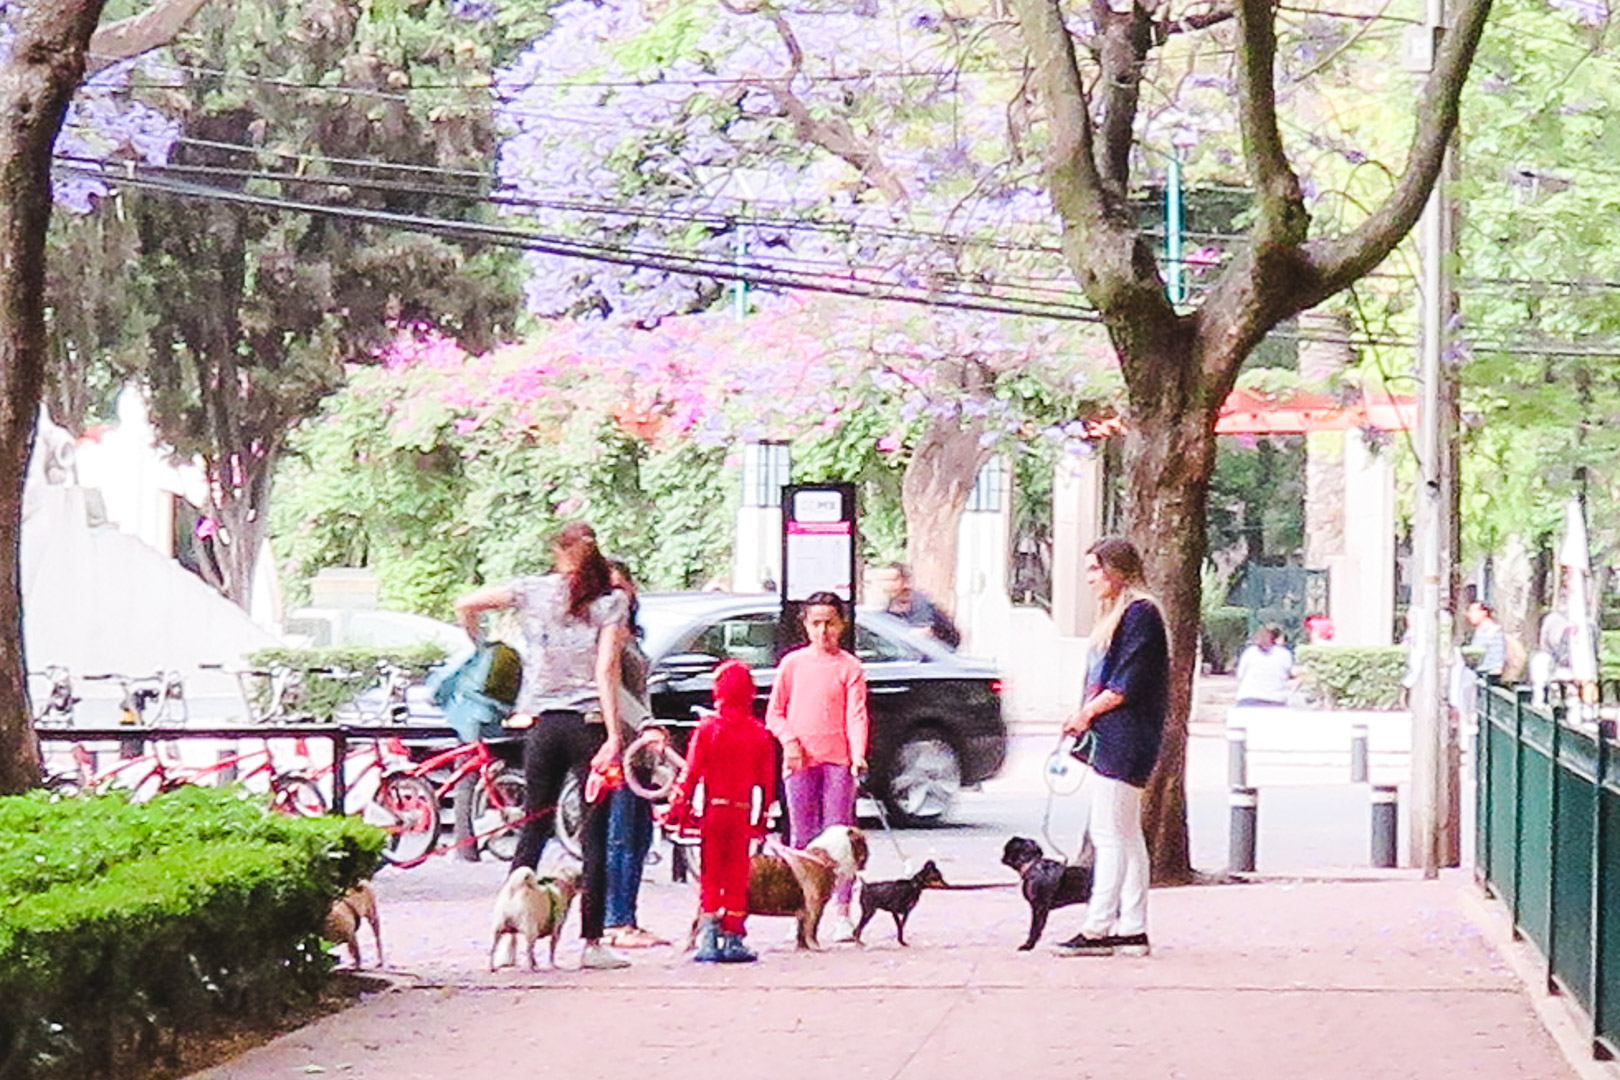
x: 37, y: 79
x: 1169, y: 456
x: 939, y: 478
x: 243, y: 517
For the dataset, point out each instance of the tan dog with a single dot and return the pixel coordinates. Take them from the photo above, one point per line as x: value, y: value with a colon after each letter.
x: 530, y: 908
x: 358, y: 905
x: 790, y: 881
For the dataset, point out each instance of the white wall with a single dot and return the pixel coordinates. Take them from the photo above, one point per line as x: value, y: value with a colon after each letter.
x: 96, y: 600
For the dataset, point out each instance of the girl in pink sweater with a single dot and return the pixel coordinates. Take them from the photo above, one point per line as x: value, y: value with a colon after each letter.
x: 818, y: 712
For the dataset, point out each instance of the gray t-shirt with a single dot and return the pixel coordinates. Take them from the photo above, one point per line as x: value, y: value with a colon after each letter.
x: 559, y: 665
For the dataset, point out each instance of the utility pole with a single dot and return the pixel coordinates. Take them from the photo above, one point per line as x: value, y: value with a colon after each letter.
x: 1432, y: 737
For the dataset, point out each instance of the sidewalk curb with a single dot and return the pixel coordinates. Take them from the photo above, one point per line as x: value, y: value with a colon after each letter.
x: 1560, y: 1016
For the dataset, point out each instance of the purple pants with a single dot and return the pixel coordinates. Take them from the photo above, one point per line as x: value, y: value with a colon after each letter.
x: 819, y: 796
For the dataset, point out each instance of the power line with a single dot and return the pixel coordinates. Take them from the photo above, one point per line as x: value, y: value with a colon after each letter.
x: 763, y: 276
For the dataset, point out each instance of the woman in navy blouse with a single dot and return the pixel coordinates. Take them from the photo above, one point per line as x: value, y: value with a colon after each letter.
x: 1124, y: 705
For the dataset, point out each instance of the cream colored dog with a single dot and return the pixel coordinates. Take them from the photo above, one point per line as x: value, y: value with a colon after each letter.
x: 358, y: 905
x: 530, y: 908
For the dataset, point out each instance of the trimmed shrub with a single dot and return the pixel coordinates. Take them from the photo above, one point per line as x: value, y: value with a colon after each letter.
x: 1344, y: 677
x: 122, y: 926
x: 1226, y: 630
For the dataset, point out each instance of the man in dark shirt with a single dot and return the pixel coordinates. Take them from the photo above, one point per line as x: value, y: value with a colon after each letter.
x: 915, y: 609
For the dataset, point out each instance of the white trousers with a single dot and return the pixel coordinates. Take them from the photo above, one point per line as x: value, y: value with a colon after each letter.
x: 1120, y: 888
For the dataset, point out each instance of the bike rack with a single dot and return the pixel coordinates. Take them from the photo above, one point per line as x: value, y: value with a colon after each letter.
x: 337, y: 734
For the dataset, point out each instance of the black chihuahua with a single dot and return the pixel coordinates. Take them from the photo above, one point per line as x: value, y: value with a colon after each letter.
x: 897, y: 898
x: 1048, y: 883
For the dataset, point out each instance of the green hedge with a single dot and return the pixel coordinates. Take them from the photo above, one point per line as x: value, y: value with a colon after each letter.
x: 334, y: 676
x: 122, y: 926
x: 1225, y: 632
x: 1343, y: 677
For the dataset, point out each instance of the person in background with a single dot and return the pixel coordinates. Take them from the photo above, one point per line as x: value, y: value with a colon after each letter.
x: 574, y: 625
x: 1489, y: 637
x: 1318, y: 628
x: 818, y: 713
x: 1265, y: 669
x: 1125, y: 709
x: 915, y: 609
x: 630, y: 817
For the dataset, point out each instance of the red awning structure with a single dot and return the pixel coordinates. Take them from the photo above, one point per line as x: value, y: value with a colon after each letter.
x: 1250, y: 412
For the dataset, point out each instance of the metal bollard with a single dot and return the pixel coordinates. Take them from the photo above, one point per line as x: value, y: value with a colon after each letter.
x: 1245, y: 825
x: 677, y: 864
x: 227, y: 772
x: 1237, y: 757
x: 461, y: 830
x: 1358, y: 753
x: 1385, y: 811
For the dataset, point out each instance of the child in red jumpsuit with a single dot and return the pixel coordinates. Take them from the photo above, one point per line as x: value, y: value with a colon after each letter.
x: 730, y: 779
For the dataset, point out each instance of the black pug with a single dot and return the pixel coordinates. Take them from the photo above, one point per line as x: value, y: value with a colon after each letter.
x: 897, y: 898
x: 1048, y: 883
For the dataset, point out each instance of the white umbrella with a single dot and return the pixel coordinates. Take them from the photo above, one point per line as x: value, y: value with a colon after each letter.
x: 1577, y: 564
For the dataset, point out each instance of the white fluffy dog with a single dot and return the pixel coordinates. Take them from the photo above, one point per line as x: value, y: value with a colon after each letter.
x: 530, y: 908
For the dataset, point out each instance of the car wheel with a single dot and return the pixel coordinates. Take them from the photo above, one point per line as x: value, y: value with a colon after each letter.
x: 924, y: 780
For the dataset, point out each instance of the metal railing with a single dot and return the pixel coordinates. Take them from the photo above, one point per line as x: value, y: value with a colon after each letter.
x: 1547, y: 842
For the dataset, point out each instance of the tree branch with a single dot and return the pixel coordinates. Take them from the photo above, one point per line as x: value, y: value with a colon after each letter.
x: 1339, y: 261
x: 1123, y: 41
x: 1076, y: 187
x: 1281, y: 203
x: 833, y: 134
x: 151, y: 29
x: 1201, y: 20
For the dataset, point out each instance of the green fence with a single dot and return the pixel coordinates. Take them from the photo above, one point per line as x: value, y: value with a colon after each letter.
x: 1548, y: 844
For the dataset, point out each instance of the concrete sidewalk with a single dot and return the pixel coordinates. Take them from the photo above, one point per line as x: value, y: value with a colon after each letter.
x: 1378, y: 977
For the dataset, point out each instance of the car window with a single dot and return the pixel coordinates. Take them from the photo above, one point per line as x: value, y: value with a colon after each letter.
x: 749, y: 638
x: 872, y: 647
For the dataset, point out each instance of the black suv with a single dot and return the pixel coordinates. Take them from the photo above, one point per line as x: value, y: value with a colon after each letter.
x: 936, y: 716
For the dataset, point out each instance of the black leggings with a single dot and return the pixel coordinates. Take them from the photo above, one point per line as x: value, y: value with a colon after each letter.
x: 561, y: 742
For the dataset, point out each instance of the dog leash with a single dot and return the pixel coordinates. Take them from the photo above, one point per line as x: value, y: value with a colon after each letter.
x: 883, y: 818
x: 1065, y: 775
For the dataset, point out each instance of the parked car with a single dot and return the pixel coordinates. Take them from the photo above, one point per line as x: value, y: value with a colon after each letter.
x: 936, y: 715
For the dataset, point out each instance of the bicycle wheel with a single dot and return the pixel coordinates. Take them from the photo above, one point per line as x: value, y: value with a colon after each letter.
x: 570, y: 819
x: 407, y: 808
x: 65, y: 787
x: 296, y: 795
x: 498, y: 812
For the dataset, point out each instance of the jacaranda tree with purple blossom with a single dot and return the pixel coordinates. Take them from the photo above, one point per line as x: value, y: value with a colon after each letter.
x: 718, y: 130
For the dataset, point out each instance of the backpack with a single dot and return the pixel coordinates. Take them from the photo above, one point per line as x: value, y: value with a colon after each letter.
x: 479, y: 692
x: 1517, y: 659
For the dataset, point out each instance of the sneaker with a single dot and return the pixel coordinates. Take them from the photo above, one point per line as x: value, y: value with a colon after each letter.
x: 1130, y: 944
x: 841, y: 930
x: 1086, y: 945
x: 598, y: 957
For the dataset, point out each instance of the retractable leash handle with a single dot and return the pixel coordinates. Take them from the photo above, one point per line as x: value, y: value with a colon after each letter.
x: 1065, y: 775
